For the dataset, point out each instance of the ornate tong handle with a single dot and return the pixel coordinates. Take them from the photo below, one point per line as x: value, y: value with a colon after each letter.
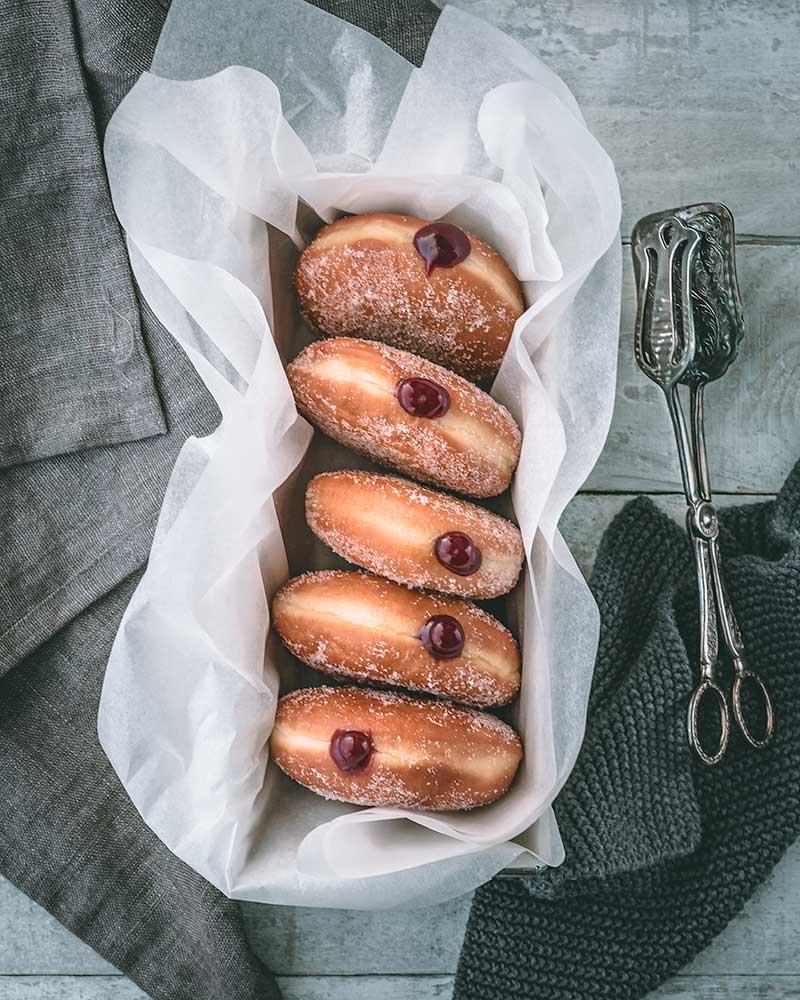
x: 703, y: 527
x: 709, y: 653
x: 664, y: 340
x: 742, y: 674
x: 688, y: 327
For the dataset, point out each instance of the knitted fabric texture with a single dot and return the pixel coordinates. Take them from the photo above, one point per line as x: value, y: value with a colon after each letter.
x: 662, y: 851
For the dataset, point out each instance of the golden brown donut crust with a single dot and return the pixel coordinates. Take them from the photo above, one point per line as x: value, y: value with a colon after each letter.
x: 362, y: 277
x: 347, y: 388
x: 363, y: 627
x: 427, y: 754
x: 389, y: 526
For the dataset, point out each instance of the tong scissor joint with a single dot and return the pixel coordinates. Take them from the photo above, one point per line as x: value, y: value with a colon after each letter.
x: 702, y: 521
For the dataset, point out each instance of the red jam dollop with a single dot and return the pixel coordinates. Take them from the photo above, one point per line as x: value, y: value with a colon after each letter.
x: 457, y: 552
x: 351, y: 750
x: 422, y: 398
x: 443, y: 637
x: 441, y: 245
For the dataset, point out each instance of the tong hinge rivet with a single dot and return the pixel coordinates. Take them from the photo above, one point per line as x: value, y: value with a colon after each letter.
x: 702, y: 520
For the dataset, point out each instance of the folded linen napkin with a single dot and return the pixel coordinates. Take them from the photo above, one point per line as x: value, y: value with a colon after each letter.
x: 662, y: 851
x: 73, y: 369
x: 76, y: 523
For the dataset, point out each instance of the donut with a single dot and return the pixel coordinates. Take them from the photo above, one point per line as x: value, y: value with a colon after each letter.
x: 378, y: 748
x: 429, y: 288
x: 363, y: 627
x: 406, y: 412
x: 413, y: 535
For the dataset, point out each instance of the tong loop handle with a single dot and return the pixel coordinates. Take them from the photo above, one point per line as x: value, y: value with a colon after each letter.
x: 705, y: 686
x: 742, y: 677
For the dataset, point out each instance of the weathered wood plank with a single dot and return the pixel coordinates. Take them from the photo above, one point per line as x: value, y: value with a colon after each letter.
x: 761, y: 940
x: 753, y: 413
x: 692, y: 100
x: 588, y: 516
x: 368, y: 988
x: 389, y: 988
x: 69, y: 988
x: 316, y: 942
x: 300, y: 988
x: 729, y: 988
x: 33, y: 942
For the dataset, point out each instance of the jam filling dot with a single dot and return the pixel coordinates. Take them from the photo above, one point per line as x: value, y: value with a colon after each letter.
x: 443, y: 637
x: 441, y: 245
x: 422, y: 398
x: 351, y: 750
x: 457, y: 552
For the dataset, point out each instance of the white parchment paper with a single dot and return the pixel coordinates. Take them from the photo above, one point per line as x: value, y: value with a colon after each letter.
x: 270, y: 111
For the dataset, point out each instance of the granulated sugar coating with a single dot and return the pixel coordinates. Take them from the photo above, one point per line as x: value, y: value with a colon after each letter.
x: 390, y: 525
x: 347, y: 388
x: 362, y: 627
x: 427, y: 754
x: 362, y: 277
x: 363, y: 283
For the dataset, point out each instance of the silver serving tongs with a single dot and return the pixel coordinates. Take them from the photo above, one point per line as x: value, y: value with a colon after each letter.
x: 688, y: 328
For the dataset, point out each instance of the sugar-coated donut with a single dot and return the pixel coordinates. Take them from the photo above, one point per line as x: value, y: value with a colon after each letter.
x: 366, y: 628
x: 377, y: 748
x: 366, y: 276
x: 406, y: 412
x: 414, y: 535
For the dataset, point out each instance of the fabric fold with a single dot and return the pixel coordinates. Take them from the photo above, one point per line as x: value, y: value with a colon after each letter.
x: 74, y: 369
x: 74, y: 525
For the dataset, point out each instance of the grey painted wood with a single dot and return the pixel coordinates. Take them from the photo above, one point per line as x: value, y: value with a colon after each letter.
x: 730, y: 988
x: 33, y: 942
x: 692, y: 100
x: 588, y: 516
x: 368, y: 988
x: 390, y: 988
x: 761, y: 941
x: 753, y: 413
x: 317, y: 942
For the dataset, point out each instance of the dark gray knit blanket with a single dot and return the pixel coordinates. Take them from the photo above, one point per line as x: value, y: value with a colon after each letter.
x: 662, y: 851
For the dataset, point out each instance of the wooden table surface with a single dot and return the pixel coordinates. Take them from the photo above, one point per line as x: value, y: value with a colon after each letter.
x: 694, y: 100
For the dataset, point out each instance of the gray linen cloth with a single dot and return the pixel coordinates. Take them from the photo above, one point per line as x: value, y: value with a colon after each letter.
x: 75, y: 520
x: 74, y: 372
x: 95, y: 402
